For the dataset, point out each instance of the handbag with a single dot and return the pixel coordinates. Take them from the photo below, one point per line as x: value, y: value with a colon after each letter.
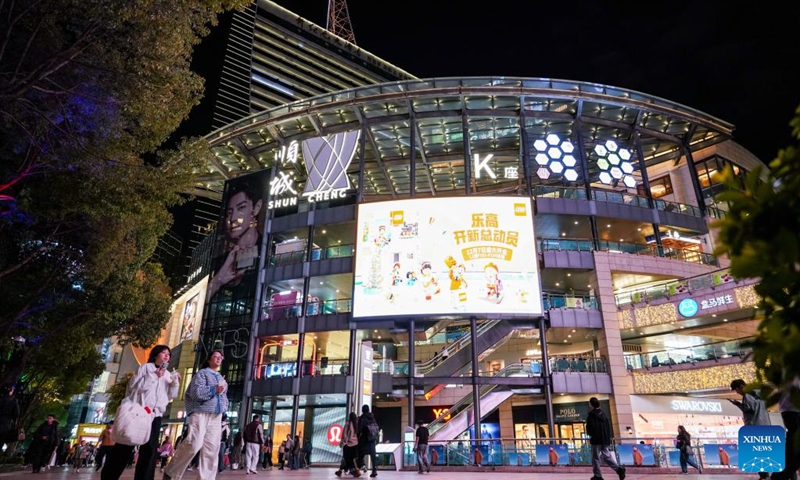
x: 132, y: 423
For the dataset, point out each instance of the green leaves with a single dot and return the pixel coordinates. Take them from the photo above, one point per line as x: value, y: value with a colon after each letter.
x: 761, y: 233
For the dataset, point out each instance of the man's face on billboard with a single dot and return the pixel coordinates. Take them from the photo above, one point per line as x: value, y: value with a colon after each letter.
x: 241, y: 215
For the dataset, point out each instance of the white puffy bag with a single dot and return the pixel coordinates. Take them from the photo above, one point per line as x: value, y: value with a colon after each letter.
x: 132, y: 422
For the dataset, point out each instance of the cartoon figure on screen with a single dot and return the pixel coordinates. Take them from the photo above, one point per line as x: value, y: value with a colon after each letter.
x: 382, y: 239
x: 724, y: 458
x: 458, y: 284
x: 638, y: 458
x: 430, y: 286
x: 494, y: 286
x: 395, y: 281
x: 552, y: 456
x: 411, y: 278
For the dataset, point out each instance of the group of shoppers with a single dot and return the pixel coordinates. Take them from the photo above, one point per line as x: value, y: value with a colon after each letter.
x: 359, y: 438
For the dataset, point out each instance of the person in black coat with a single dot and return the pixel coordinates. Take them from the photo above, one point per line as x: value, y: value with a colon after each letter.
x: 366, y: 445
x: 598, y: 427
x: 45, y: 440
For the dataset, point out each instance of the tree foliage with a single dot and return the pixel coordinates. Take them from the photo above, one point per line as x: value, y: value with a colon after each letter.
x: 87, y: 88
x: 117, y: 392
x: 761, y: 234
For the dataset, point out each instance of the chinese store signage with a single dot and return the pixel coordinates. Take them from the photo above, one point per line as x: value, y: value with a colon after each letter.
x: 446, y: 256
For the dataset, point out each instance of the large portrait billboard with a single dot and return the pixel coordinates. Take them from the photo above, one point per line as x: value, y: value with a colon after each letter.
x: 446, y: 256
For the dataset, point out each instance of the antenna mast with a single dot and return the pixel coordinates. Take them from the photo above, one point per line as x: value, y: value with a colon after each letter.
x: 339, y: 20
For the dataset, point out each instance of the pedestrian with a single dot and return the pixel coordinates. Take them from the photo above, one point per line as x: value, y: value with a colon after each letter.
x: 307, y: 447
x: 754, y: 411
x: 368, y: 433
x: 152, y: 385
x: 350, y: 452
x: 281, y: 454
x: 9, y: 416
x: 78, y: 455
x: 165, y: 451
x: 296, y: 446
x: 223, y: 442
x: 238, y: 444
x: 44, y: 443
x: 289, y: 447
x: 105, y: 445
x: 598, y: 427
x: 253, y: 439
x: 684, y: 443
x: 206, y: 399
x: 421, y: 446
x: 791, y: 420
x: 267, y: 450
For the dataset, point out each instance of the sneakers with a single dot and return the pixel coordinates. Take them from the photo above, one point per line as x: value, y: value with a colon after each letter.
x: 338, y: 473
x: 374, y: 474
x: 621, y: 473
x: 429, y: 469
x: 596, y: 478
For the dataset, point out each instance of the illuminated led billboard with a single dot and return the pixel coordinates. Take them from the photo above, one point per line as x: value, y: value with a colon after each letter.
x: 446, y: 256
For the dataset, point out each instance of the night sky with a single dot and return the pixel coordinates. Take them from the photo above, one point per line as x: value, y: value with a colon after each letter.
x: 737, y: 64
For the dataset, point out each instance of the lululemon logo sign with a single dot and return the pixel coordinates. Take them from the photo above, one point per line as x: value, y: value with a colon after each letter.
x: 335, y: 434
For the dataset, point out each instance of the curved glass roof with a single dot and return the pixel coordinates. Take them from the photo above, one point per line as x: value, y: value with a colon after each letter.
x: 448, y: 120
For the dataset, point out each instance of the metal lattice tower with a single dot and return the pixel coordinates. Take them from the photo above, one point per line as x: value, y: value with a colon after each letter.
x: 339, y: 20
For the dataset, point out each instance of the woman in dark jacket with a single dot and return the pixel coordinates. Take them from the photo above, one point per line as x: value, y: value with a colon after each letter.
x: 684, y: 443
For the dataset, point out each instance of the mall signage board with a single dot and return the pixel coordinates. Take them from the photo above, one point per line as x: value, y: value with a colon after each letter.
x: 326, y: 160
x: 446, y: 256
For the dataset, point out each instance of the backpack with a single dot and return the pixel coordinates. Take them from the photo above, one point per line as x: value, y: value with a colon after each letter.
x: 372, y: 432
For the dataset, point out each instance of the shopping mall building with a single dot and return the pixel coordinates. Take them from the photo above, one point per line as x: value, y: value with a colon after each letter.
x: 482, y: 254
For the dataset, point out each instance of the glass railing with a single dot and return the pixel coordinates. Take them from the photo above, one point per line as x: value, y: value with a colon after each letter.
x: 578, y: 365
x: 738, y: 348
x: 314, y: 308
x: 621, y: 197
x: 566, y: 452
x: 674, y: 287
x: 550, y: 301
x: 288, y: 258
x: 571, y: 193
x: 678, y: 208
x: 572, y: 244
x: 624, y: 198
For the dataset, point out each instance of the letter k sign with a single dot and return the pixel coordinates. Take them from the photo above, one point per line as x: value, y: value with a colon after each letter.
x: 482, y: 165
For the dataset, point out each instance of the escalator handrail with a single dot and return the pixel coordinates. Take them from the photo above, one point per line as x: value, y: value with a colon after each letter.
x: 462, y: 341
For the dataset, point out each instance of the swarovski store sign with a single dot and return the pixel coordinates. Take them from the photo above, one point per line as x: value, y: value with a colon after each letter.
x: 682, y: 405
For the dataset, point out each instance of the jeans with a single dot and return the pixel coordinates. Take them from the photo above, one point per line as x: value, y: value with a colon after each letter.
x: 117, y: 458
x: 221, y: 460
x: 687, y: 459
x: 601, y: 452
x: 422, y: 456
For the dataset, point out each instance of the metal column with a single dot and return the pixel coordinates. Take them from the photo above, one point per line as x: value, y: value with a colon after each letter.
x: 411, y: 372
x: 351, y: 367
x: 476, y: 393
x: 548, y: 394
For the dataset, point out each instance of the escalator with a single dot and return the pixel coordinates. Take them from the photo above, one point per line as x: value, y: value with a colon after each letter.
x: 461, y: 414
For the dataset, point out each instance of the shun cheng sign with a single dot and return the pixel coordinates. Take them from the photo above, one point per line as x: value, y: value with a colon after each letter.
x: 326, y: 160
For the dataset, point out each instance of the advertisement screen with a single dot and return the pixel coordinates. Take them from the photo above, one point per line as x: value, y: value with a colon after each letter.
x: 446, y: 256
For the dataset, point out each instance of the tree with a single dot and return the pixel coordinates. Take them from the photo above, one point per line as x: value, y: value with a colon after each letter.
x: 761, y: 234
x: 87, y: 88
x: 117, y: 393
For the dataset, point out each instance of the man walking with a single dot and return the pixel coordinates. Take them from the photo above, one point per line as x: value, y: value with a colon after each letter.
x: 104, y: 446
x: 254, y: 438
x: 598, y: 427
x: 368, y: 437
x: 754, y: 411
x: 421, y: 446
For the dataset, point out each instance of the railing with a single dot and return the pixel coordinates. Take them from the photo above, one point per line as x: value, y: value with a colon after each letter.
x: 624, y: 198
x: 578, y: 365
x: 288, y: 258
x: 582, y: 244
x: 676, y: 356
x: 568, y: 451
x: 678, y: 208
x: 674, y: 287
x: 550, y: 300
x: 315, y: 308
x: 612, y: 196
x: 571, y: 193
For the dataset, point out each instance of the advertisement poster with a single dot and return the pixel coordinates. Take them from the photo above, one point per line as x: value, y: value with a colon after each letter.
x: 443, y: 256
x: 638, y: 455
x: 721, y: 454
x: 189, y: 318
x: 235, y: 255
x: 552, y: 454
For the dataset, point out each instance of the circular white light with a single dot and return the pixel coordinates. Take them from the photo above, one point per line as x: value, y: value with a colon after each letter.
x: 602, y: 164
x: 567, y: 146
x: 543, y: 172
x: 553, y: 139
x: 556, y: 167
x: 627, y: 167
x: 554, y: 153
x: 629, y: 181
x: 611, y: 145
x: 569, y: 160
x: 616, y: 172
x: 600, y: 150
x: 542, y: 159
x: 605, y: 178
x: 571, y: 175
x: 613, y: 159
x: 540, y: 145
x: 625, y: 154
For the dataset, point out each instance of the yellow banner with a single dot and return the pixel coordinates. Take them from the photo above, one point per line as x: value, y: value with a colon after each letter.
x: 497, y: 253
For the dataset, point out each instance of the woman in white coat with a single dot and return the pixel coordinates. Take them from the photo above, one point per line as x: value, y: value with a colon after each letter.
x: 155, y: 386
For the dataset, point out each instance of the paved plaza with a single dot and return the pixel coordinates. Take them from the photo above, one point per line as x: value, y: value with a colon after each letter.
x: 322, y: 473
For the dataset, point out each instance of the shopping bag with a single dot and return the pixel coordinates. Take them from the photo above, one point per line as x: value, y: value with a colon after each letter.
x: 132, y: 423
